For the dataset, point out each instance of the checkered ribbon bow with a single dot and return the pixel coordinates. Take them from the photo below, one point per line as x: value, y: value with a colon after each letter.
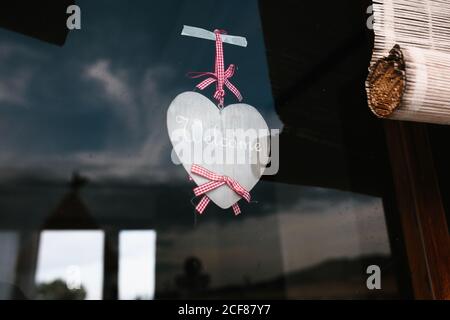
x: 216, y: 182
x: 221, y: 76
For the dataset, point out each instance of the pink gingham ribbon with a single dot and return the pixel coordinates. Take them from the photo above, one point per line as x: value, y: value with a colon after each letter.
x: 221, y: 76
x: 216, y: 182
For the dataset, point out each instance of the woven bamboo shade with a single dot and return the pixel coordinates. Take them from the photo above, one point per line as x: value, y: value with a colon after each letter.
x: 411, y: 82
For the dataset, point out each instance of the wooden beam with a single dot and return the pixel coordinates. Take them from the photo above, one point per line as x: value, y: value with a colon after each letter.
x: 420, y: 205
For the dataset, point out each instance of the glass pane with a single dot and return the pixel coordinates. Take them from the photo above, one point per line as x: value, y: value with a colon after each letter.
x: 84, y: 147
x: 137, y: 251
x: 70, y: 265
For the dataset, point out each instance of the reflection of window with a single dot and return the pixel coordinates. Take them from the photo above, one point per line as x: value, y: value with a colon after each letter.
x: 137, y: 251
x: 70, y: 262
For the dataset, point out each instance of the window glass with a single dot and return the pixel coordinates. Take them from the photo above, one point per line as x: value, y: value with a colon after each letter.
x: 84, y: 148
x: 137, y: 251
x: 70, y: 263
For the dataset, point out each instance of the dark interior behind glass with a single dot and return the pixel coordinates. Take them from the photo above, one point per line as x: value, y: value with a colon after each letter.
x: 91, y: 206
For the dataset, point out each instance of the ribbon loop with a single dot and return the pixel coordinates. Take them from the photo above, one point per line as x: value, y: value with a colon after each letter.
x: 220, y: 76
x: 215, y: 182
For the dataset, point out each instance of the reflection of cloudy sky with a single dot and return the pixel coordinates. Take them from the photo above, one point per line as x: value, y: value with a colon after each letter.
x: 99, y: 103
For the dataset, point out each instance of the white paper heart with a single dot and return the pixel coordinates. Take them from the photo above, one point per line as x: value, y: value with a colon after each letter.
x: 202, y: 134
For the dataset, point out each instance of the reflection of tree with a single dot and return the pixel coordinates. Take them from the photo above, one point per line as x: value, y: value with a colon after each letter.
x: 58, y: 290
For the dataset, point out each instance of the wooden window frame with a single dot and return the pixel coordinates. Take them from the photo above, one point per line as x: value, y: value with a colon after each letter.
x: 421, y: 209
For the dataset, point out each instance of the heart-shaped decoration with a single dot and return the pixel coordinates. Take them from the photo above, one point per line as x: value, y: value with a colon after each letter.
x: 232, y: 142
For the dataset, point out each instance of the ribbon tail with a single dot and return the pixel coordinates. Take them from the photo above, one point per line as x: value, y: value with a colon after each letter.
x: 239, y: 190
x: 202, y: 205
x: 229, y: 73
x: 196, y: 74
x: 236, y: 209
x: 234, y: 90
